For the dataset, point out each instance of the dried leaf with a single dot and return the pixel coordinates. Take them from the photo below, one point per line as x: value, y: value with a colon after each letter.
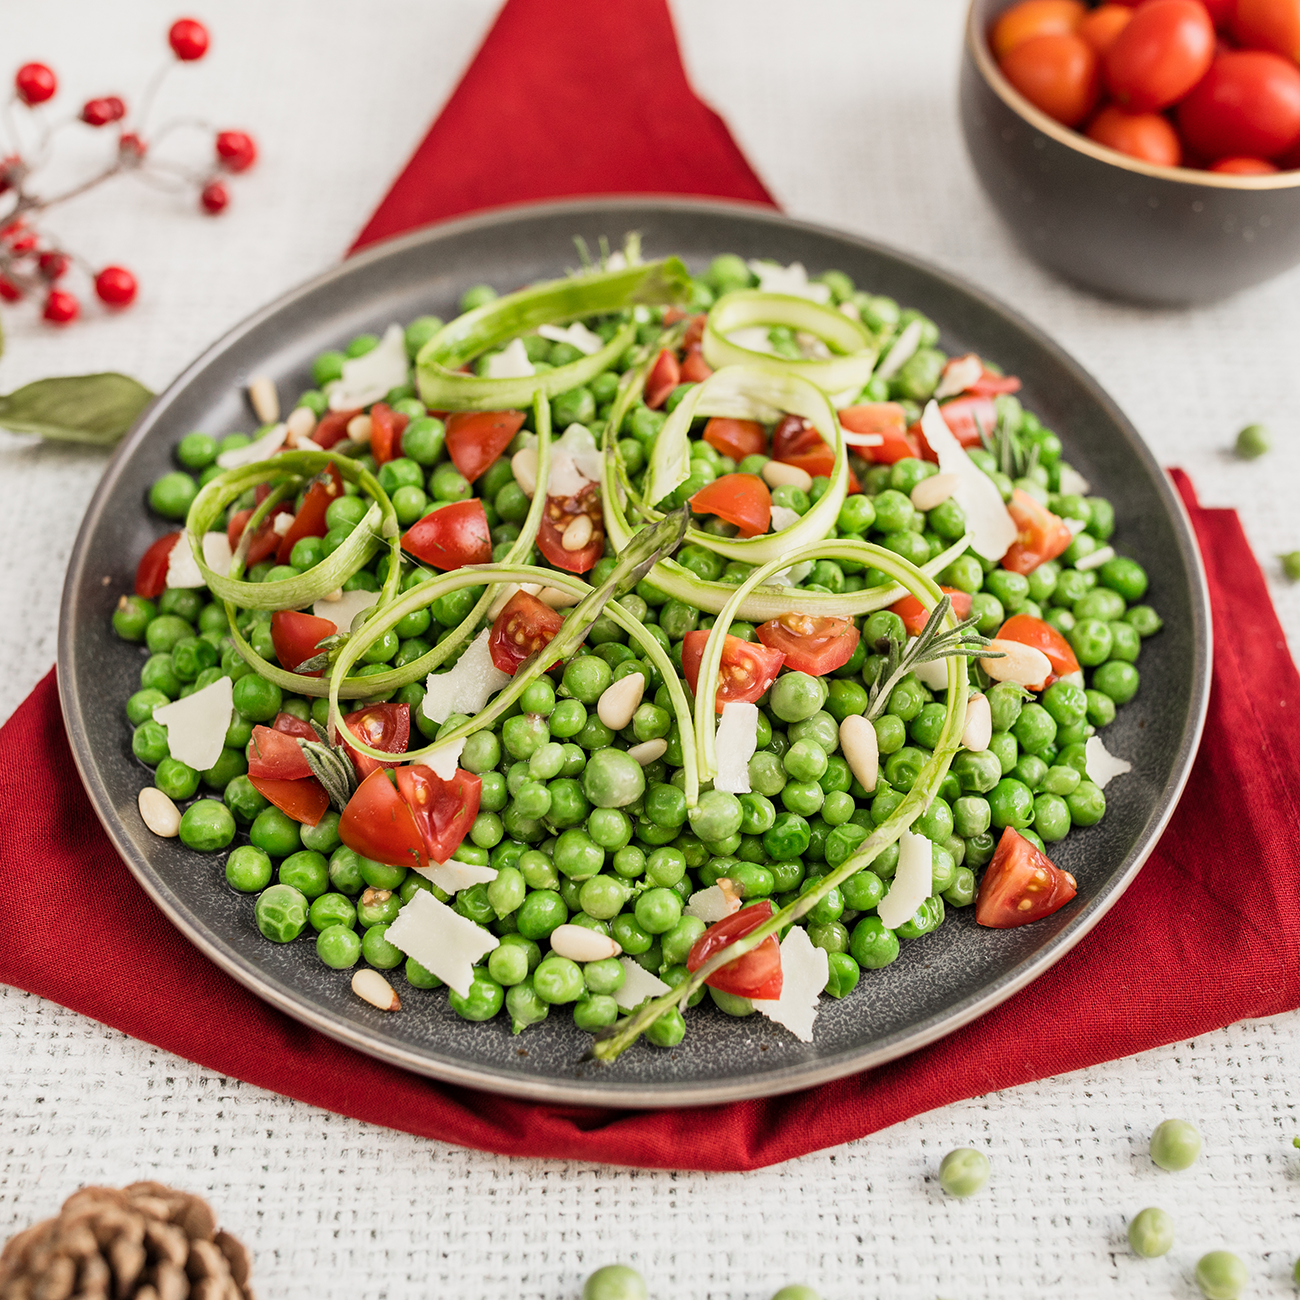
x: 95, y: 409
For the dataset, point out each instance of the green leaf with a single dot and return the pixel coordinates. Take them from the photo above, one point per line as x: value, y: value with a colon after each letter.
x: 97, y: 409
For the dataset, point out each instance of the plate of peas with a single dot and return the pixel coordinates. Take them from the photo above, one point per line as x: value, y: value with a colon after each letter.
x: 681, y: 679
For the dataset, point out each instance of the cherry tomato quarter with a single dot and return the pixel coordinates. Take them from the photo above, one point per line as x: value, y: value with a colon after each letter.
x: 378, y: 824
x: 443, y: 811
x: 381, y: 726
x: 559, y: 516
x: 1041, y: 534
x: 386, y: 429
x: 1021, y: 885
x: 273, y: 753
x: 1031, y: 631
x: 151, y: 572
x: 304, y: 800
x: 736, y: 438
x: 915, y: 615
x: 757, y: 974
x: 476, y: 439
x: 450, y: 536
x: 740, y: 499
x: 746, y: 671
x: 811, y: 644
x: 522, y: 628
x: 296, y: 636
x: 664, y: 376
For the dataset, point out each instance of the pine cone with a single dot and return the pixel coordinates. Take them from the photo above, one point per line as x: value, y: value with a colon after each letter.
x: 146, y: 1241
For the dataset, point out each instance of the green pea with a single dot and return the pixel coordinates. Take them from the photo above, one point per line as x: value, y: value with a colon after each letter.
x: 1221, y: 1275
x: 1145, y: 620
x: 331, y: 909
x: 964, y: 1172
x: 541, y: 911
x: 614, y: 1282
x: 484, y: 1000
x: 376, y: 949
x: 1011, y: 804
x: 307, y: 872
x: 1035, y: 729
x: 280, y: 913
x: 132, y: 617
x: 961, y: 892
x: 338, y: 946
x: 872, y: 945
x: 730, y: 1004
x: 248, y: 869
x: 172, y: 495
x: 1151, y: 1233
x: 613, y: 779
x: 1117, y: 679
x: 207, y: 825
x: 1175, y: 1144
x: 275, y: 833
x: 524, y: 1006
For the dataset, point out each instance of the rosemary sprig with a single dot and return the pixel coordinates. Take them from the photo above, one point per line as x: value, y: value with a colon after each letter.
x: 931, y: 645
x: 1016, y: 456
x: 332, y: 767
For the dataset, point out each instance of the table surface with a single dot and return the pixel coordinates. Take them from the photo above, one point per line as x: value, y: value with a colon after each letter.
x: 849, y: 115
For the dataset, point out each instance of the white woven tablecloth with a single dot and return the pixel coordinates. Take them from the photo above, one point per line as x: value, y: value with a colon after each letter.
x: 847, y: 110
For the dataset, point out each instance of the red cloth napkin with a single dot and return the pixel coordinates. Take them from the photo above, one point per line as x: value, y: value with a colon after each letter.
x: 1209, y: 932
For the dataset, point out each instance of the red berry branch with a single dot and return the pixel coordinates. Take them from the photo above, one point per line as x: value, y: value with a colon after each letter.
x: 31, y: 265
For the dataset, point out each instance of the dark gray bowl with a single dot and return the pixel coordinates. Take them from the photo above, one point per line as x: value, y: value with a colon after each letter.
x: 1163, y: 235
x: 940, y: 982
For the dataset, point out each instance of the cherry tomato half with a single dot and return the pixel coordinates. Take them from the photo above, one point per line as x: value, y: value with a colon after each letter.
x: 296, y: 637
x: 151, y: 572
x: 1021, y: 885
x: 736, y: 438
x: 1034, y: 18
x: 1031, y: 631
x: 755, y: 975
x: 740, y: 499
x: 1163, y: 51
x: 559, y: 514
x: 378, y: 824
x: 1058, y: 73
x: 1268, y: 25
x: 451, y: 536
x: 1247, y: 105
x: 1042, y: 535
x: 381, y: 726
x: 386, y: 429
x: 476, y: 439
x: 812, y: 645
x: 1147, y: 136
x: 522, y: 628
x: 664, y: 376
x: 310, y: 519
x: 443, y: 811
x: 745, y: 673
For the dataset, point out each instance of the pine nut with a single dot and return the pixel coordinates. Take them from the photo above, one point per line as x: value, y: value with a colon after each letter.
x: 648, y: 751
x: 372, y: 987
x: 556, y: 598
x: 1021, y: 664
x: 619, y: 700
x: 578, y: 533
x: 523, y: 464
x: 265, y: 400
x: 158, y: 812
x: 577, y: 943
x: 300, y: 424
x: 979, y: 724
x: 359, y: 429
x: 935, y: 490
x: 335, y: 595
x: 777, y: 474
x: 861, y: 750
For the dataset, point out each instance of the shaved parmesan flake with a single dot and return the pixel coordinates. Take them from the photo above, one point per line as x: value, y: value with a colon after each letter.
x: 281, y: 523
x: 784, y: 517
x: 1103, y: 767
x: 991, y: 527
x: 369, y: 378
x: 341, y: 612
x: 576, y: 335
x: 804, y: 972
x: 616, y: 261
x: 912, y: 881
x: 638, y: 986
x: 217, y: 553
x: 196, y: 724
x: 444, y: 759
x: 860, y: 439
x: 753, y: 338
x: 792, y: 280
x: 1076, y: 526
x: 510, y: 363
x: 466, y: 686
x: 736, y: 741
x: 575, y: 462
x: 900, y: 353
x: 259, y: 449
x: 712, y: 905
x: 451, y: 877
x: 796, y: 573
x: 933, y: 673
x: 441, y: 940
x: 1073, y: 483
x: 958, y: 375
x: 182, y: 567
x: 1096, y: 559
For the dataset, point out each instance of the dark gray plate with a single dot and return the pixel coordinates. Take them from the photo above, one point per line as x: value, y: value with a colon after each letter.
x: 948, y: 979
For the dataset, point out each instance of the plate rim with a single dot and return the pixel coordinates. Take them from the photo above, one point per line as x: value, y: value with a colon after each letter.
x: 581, y: 1091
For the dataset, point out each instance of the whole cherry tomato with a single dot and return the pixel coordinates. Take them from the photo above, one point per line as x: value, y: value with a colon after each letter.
x: 1247, y: 105
x: 1163, y: 51
x: 1268, y: 25
x: 1059, y: 74
x: 1140, y: 135
x: 1034, y: 18
x: 1244, y: 167
x: 1103, y: 24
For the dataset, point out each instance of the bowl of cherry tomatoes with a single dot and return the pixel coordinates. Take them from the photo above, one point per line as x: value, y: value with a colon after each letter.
x: 1148, y: 150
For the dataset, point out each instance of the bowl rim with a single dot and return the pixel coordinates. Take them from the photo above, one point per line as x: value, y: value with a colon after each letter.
x: 978, y: 46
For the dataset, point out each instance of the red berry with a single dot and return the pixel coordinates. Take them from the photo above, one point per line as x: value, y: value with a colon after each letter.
x: 35, y: 83
x: 100, y: 112
x: 115, y: 286
x: 236, y: 151
x: 9, y: 291
x: 12, y: 170
x: 23, y: 243
x: 61, y: 308
x: 215, y: 197
x: 54, y: 264
x: 131, y: 148
x: 188, y: 39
